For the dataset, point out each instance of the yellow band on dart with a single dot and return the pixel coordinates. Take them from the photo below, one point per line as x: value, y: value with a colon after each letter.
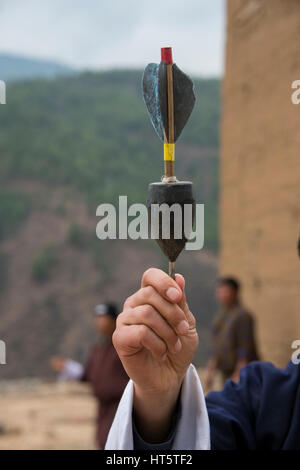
x: 169, y: 152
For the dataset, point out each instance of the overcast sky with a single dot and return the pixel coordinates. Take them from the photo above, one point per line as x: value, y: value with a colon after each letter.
x: 103, y: 34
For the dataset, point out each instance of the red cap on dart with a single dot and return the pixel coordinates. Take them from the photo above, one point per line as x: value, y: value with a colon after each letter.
x: 166, y: 55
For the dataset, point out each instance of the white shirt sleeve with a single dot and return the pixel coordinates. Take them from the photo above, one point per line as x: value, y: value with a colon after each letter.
x: 192, y: 430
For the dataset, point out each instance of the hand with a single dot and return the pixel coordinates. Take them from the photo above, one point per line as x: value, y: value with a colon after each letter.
x: 208, y: 380
x: 156, y: 333
x: 236, y: 374
x: 210, y: 374
x: 156, y: 339
x: 57, y: 363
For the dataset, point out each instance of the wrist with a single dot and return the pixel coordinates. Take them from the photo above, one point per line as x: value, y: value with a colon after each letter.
x: 154, y: 411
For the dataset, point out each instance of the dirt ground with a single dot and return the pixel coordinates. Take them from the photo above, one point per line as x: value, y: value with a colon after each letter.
x: 36, y: 415
x: 49, y: 416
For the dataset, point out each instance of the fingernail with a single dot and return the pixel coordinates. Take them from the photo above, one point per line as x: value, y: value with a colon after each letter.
x: 183, y: 327
x: 173, y: 294
x: 164, y: 357
x: 178, y: 346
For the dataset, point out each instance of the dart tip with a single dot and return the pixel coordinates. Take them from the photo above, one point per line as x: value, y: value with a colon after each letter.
x: 166, y: 55
x: 172, y: 269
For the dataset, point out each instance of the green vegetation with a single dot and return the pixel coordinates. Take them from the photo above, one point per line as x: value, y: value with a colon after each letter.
x: 76, y: 236
x: 92, y: 132
x: 61, y: 210
x: 43, y: 264
x: 102, y: 261
x: 14, y: 207
x: 3, y: 270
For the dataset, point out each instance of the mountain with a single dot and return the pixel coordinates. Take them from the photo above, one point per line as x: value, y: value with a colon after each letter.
x: 13, y: 67
x: 68, y: 145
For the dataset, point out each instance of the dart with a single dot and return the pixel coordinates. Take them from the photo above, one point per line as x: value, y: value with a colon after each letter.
x: 169, y: 97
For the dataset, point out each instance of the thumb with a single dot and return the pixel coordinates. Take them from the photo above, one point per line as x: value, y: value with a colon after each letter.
x: 183, y: 303
x: 181, y: 283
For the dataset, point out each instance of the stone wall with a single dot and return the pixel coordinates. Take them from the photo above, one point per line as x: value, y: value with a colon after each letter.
x: 260, y: 167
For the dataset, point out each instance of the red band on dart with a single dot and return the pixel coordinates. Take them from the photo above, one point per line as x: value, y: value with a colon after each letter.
x: 166, y: 55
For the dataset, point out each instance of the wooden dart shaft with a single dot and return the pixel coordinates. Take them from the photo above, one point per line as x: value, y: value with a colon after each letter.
x: 170, y: 103
x: 166, y: 56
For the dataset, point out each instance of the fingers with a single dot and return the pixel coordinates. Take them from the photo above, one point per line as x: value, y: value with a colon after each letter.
x: 155, y: 317
x: 183, y: 303
x: 149, y: 316
x: 171, y: 312
x: 129, y: 340
x: 163, y: 284
x: 181, y: 283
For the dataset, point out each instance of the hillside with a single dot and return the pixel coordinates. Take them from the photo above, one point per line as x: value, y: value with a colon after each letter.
x: 94, y: 128
x: 66, y: 146
x: 13, y: 67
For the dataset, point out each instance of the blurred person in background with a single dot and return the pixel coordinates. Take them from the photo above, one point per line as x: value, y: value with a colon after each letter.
x: 233, y: 334
x: 103, y: 371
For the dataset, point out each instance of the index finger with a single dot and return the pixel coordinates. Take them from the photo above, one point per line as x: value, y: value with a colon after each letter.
x: 162, y: 283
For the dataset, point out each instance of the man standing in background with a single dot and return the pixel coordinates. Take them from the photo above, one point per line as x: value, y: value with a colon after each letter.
x: 233, y: 335
x: 103, y: 371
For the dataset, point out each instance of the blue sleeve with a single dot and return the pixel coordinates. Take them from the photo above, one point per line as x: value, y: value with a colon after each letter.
x: 260, y: 412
